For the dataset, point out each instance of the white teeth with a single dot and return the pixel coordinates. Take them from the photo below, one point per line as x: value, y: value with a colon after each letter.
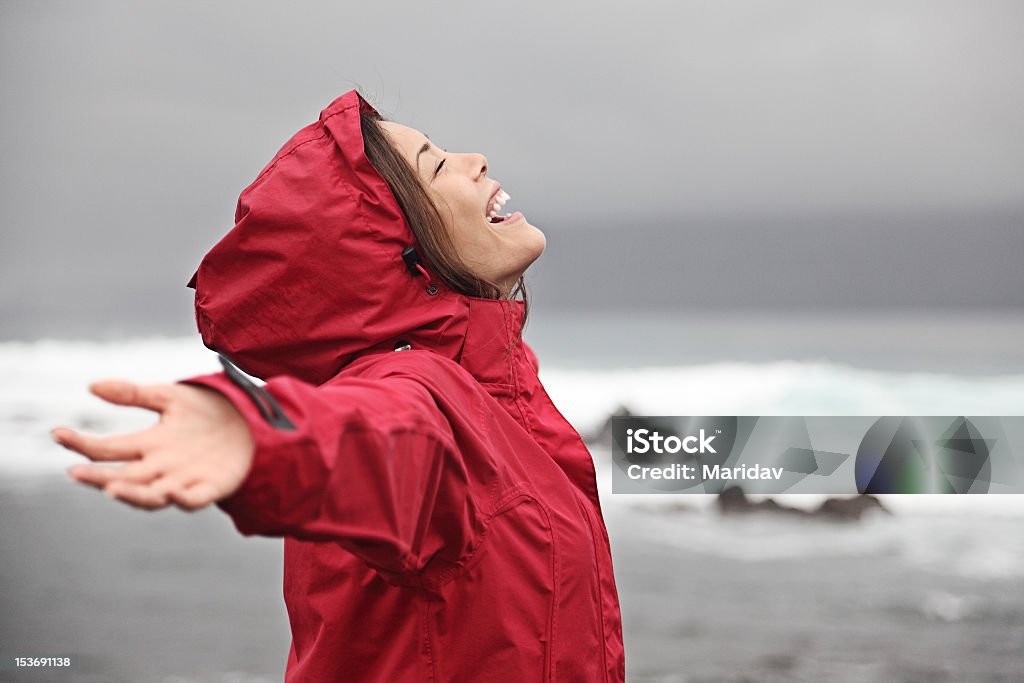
x: 497, y: 203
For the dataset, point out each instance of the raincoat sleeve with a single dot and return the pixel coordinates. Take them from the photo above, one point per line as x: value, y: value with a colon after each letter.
x: 368, y: 463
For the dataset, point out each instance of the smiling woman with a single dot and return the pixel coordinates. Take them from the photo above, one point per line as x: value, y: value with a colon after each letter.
x: 449, y: 198
x: 440, y: 517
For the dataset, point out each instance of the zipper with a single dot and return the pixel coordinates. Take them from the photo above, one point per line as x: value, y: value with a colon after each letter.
x: 268, y: 406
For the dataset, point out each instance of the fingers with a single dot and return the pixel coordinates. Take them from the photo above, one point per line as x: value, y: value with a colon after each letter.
x: 138, y: 472
x: 115, y: 447
x: 148, y: 496
x: 152, y: 397
x: 140, y: 485
x: 121, y: 446
x: 197, y: 496
x: 165, y: 468
x: 137, y: 495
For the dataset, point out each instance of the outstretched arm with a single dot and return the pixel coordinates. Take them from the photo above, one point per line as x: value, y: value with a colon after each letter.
x: 369, y: 464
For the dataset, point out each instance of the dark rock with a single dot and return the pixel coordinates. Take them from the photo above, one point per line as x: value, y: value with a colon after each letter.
x: 603, y: 434
x: 850, y: 509
x: 734, y: 501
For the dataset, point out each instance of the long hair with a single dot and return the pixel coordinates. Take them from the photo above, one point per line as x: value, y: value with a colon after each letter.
x: 425, y: 220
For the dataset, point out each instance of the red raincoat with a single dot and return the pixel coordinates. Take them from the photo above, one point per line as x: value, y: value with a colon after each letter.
x: 441, y: 517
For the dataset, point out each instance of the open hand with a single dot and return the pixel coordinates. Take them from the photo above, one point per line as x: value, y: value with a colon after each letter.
x: 198, y: 453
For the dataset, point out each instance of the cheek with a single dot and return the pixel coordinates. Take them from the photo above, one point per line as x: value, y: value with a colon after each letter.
x: 459, y: 200
x: 469, y: 206
x: 475, y: 241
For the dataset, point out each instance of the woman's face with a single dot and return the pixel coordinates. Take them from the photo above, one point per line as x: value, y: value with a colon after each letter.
x: 465, y: 196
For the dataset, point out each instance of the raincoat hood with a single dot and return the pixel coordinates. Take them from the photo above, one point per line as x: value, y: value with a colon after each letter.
x: 312, y: 274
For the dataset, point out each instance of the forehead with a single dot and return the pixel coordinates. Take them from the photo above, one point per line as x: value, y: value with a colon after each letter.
x: 407, y: 140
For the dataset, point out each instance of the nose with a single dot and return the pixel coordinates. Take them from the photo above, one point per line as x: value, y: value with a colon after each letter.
x: 477, y: 164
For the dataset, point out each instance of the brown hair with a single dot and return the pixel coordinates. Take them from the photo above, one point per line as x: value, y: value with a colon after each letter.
x: 434, y: 240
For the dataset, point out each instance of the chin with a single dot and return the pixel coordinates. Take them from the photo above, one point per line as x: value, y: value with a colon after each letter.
x: 537, y: 237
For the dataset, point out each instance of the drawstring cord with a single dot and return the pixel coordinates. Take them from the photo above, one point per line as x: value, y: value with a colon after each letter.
x: 414, y: 264
x: 431, y: 287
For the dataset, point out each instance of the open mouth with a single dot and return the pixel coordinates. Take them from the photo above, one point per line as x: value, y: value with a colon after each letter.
x: 495, y: 206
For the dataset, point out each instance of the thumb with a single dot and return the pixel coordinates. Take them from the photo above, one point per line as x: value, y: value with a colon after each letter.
x: 123, y: 393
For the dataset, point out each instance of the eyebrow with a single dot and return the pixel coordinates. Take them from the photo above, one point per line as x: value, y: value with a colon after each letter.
x: 424, y: 148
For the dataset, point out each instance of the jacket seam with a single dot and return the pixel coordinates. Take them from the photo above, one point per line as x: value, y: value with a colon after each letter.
x: 556, y: 575
x: 600, y: 590
x: 287, y: 154
x: 427, y: 641
x: 371, y: 230
x: 514, y: 376
x: 546, y: 398
x: 467, y: 562
x: 340, y: 111
x: 419, y: 427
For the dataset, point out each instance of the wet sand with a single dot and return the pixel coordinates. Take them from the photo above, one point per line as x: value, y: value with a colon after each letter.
x: 691, y: 617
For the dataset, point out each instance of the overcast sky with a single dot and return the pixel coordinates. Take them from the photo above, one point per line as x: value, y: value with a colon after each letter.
x: 128, y: 130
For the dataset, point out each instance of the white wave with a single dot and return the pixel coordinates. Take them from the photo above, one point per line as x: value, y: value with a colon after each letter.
x: 45, y: 385
x: 587, y: 397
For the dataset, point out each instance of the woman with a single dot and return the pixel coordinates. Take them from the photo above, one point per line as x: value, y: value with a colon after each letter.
x: 441, y: 518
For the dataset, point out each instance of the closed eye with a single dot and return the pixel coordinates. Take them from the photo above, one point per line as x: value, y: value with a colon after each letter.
x: 438, y: 169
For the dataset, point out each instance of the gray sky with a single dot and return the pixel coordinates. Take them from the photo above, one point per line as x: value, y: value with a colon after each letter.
x: 791, y: 133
